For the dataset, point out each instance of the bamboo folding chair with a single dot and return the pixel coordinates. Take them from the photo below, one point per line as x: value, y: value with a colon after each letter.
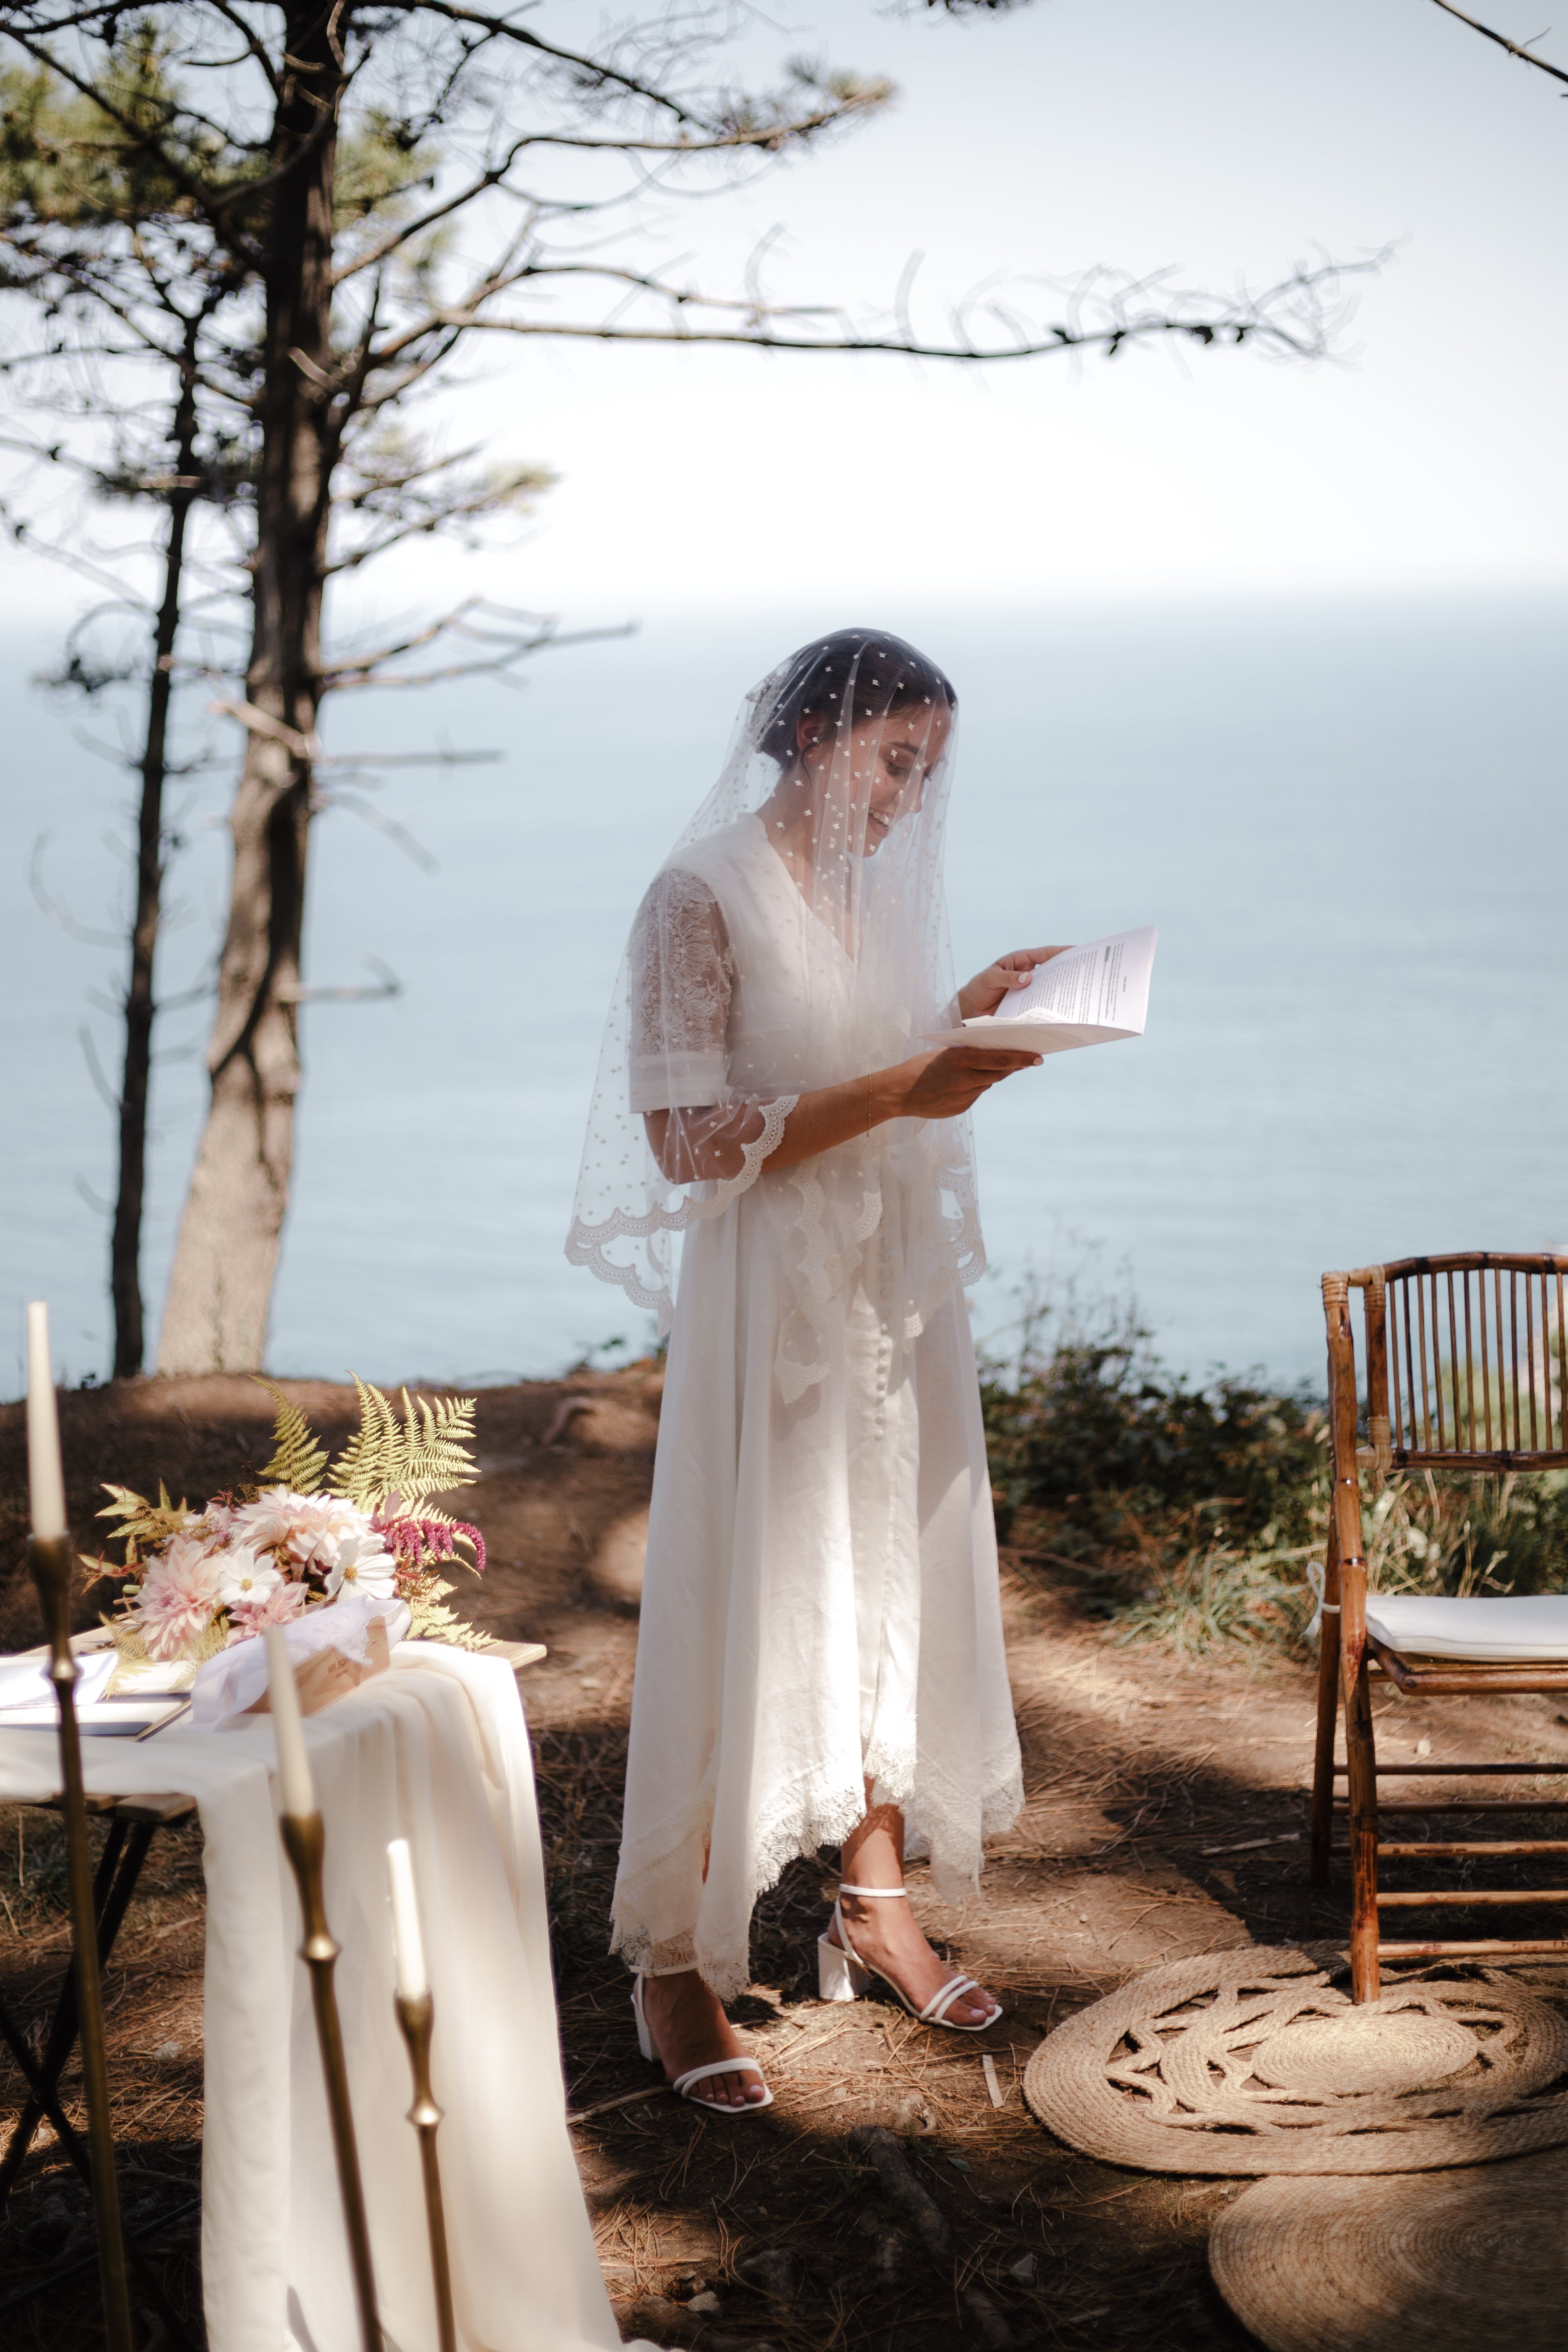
x: 1467, y: 1369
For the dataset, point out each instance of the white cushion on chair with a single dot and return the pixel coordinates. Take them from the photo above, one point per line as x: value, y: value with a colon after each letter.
x: 1536, y: 1627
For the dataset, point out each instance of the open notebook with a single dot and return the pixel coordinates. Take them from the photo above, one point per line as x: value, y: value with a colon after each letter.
x: 1087, y: 995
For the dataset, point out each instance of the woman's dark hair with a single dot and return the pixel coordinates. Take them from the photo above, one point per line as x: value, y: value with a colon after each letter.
x: 881, y: 674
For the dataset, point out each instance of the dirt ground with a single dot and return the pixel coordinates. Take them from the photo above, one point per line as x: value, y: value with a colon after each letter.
x: 1165, y: 1816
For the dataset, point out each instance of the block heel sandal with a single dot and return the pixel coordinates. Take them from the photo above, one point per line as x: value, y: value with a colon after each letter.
x: 684, y: 2085
x: 843, y: 1975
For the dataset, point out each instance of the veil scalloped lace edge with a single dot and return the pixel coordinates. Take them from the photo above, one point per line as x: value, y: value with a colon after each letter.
x: 819, y: 1274
x: 586, y: 1244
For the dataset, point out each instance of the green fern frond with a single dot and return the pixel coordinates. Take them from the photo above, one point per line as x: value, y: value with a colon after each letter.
x: 298, y: 1459
x: 425, y: 1453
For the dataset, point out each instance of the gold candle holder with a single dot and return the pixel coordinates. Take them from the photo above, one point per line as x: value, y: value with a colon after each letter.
x: 304, y: 1840
x: 417, y: 2016
x: 50, y: 1559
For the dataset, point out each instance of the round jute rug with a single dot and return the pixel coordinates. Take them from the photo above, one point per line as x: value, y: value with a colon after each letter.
x: 1250, y: 2061
x: 1449, y: 2261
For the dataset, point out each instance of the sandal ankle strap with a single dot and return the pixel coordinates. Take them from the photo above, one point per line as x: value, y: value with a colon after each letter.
x: 879, y: 1894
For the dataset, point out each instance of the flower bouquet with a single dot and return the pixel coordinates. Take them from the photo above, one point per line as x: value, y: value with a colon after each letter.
x: 312, y: 1532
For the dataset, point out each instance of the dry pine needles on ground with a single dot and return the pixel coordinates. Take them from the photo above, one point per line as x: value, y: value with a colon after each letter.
x: 887, y: 2198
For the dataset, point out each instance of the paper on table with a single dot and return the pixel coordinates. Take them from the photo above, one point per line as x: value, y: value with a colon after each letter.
x: 24, y: 1682
x: 101, y: 1718
x: 1085, y: 996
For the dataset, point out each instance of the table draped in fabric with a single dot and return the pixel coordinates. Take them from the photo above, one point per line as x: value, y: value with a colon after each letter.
x: 435, y: 1751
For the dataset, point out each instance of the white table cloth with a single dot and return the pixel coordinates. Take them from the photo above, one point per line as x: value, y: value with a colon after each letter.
x: 435, y: 1751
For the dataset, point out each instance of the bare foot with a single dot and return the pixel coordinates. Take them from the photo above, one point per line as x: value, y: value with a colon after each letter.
x: 886, y: 1936
x: 689, y: 2028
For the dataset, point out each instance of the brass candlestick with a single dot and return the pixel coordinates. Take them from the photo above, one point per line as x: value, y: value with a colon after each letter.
x: 417, y: 2017
x: 304, y: 1840
x: 49, y: 1557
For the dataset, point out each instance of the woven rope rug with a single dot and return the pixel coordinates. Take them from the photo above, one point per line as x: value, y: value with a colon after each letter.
x: 1251, y: 2061
x: 1447, y: 2262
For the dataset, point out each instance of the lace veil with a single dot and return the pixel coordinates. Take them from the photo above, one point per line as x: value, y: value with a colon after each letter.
x: 794, y: 937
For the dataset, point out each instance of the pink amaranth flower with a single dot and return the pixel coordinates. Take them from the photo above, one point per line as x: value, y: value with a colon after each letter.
x: 280, y: 1604
x: 178, y: 1598
x: 417, y: 1542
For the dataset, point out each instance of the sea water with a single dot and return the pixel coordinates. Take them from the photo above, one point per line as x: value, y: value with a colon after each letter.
x: 1347, y: 822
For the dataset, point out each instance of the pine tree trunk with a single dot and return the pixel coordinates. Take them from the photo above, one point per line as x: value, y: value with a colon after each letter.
x: 221, y: 1284
x: 125, y: 1249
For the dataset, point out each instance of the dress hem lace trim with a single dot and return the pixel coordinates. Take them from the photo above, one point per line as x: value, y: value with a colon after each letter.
x: 951, y: 1837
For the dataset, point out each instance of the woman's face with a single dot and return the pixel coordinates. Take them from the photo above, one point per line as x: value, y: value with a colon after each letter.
x: 889, y: 760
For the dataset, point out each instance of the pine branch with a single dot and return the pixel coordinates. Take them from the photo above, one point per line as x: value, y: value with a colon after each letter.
x: 1515, y: 49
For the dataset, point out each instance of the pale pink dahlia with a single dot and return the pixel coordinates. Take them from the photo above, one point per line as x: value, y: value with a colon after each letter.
x: 278, y: 1604
x: 301, y: 1531
x: 178, y: 1598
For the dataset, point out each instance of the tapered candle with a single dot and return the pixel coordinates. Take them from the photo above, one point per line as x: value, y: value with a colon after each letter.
x: 45, y: 1479
x: 298, y: 1790
x: 407, y: 1943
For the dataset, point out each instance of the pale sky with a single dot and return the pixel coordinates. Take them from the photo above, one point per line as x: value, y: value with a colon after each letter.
x: 1224, y: 138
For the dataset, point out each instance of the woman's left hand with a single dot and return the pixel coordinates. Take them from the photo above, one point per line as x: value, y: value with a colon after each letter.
x: 990, y: 988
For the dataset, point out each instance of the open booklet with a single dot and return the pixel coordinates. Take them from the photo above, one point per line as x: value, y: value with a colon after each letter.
x: 1085, y: 996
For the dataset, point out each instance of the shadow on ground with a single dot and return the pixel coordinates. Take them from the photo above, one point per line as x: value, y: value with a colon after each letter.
x: 884, y: 2200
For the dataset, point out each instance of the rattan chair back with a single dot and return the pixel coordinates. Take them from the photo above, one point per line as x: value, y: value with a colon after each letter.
x: 1467, y: 1362
x: 1467, y: 1369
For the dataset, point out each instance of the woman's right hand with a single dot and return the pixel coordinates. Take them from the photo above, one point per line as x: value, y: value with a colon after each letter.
x: 701, y: 1144
x: 944, y: 1083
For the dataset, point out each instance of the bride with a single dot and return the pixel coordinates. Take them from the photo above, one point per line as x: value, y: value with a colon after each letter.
x: 820, y: 1658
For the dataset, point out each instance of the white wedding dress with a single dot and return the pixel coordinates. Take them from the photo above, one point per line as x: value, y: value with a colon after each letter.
x: 820, y: 1605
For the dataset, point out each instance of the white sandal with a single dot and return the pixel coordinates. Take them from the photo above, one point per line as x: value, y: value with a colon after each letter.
x: 682, y: 2084
x: 842, y: 1974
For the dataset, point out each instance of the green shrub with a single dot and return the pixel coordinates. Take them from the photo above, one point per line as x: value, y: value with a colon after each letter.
x: 1100, y: 1429
x: 1189, y: 1515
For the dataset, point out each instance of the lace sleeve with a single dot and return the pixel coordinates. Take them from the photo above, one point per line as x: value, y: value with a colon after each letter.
x: 682, y: 974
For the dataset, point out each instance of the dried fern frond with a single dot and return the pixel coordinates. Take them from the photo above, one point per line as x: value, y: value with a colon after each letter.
x: 360, y: 1470
x: 132, y: 1654
x: 298, y: 1459
x: 432, y: 1620
x: 147, y: 1527
x: 426, y: 1453
x: 132, y: 1651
